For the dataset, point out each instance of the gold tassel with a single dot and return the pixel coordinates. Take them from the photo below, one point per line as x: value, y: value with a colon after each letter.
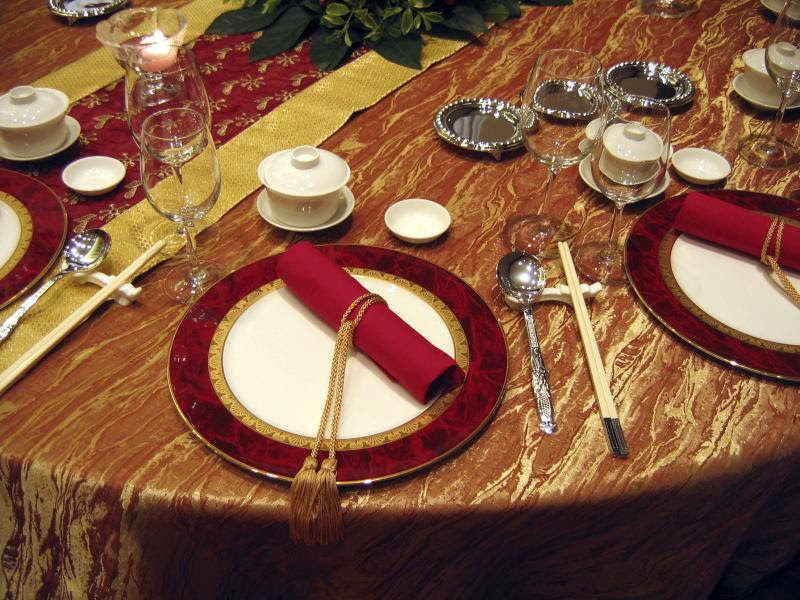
x: 329, y: 526
x: 315, y: 509
x: 302, y: 501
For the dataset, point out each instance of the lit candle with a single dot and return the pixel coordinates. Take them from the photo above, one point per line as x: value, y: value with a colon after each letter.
x: 157, y: 53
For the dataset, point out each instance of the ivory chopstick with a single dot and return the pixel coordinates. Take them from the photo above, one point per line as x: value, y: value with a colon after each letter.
x: 602, y: 390
x: 44, y: 345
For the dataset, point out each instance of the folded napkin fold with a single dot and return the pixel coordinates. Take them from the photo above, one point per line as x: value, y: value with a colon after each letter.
x: 405, y: 355
x: 738, y: 228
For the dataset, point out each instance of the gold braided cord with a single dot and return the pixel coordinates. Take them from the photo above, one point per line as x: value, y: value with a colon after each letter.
x: 299, y: 120
x: 772, y: 261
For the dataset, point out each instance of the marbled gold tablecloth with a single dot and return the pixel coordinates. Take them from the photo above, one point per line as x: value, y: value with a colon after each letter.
x: 104, y: 493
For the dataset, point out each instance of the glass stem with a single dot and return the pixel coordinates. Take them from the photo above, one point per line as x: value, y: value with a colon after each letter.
x: 544, y: 208
x: 611, y: 246
x: 776, y: 124
x: 195, y: 271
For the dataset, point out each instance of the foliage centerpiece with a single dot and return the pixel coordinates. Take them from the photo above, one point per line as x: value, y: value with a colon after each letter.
x: 392, y: 28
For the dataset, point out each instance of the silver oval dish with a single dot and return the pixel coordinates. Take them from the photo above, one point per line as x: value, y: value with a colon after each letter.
x: 84, y: 9
x: 480, y: 124
x: 652, y: 80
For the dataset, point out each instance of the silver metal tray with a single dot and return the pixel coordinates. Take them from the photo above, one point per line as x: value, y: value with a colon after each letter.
x: 480, y: 124
x: 652, y: 80
x: 84, y: 9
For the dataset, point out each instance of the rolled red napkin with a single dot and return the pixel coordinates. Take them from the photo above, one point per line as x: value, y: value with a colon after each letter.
x: 407, y: 357
x: 735, y: 227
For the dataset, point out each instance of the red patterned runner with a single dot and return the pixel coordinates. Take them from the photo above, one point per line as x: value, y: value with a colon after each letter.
x: 240, y: 93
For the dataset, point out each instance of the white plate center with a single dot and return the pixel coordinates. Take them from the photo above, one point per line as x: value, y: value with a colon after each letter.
x: 277, y: 360
x: 10, y: 231
x: 736, y: 290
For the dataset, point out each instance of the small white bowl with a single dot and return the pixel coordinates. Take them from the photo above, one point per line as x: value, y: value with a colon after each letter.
x: 417, y: 221
x: 700, y: 166
x: 93, y: 175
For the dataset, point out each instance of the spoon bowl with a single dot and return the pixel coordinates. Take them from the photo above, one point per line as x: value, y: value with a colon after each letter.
x: 83, y: 252
x: 522, y: 277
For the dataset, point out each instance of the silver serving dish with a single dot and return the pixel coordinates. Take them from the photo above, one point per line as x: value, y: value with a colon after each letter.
x: 480, y: 124
x: 84, y: 9
x: 652, y: 80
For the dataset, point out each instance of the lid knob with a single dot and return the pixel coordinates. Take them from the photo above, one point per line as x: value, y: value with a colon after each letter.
x: 786, y: 49
x: 634, y: 132
x: 22, y: 94
x: 305, y: 157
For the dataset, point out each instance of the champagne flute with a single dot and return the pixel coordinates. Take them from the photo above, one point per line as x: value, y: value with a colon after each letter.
x: 181, y: 177
x: 563, y: 93
x: 783, y: 65
x: 629, y: 160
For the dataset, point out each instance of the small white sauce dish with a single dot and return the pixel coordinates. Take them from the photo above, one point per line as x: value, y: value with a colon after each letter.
x: 93, y: 175
x: 700, y: 166
x: 417, y: 221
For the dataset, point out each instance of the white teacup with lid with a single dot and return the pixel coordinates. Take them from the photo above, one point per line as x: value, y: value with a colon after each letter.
x: 304, y: 184
x: 32, y: 120
x: 632, y: 153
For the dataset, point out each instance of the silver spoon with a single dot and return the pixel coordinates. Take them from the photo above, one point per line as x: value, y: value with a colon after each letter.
x: 522, y: 277
x: 83, y: 252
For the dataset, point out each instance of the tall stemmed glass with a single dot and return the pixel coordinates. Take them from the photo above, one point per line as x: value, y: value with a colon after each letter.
x: 181, y: 176
x: 563, y: 93
x: 629, y: 160
x: 783, y: 65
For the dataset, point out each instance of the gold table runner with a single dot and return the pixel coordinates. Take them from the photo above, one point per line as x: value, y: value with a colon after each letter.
x: 309, y: 117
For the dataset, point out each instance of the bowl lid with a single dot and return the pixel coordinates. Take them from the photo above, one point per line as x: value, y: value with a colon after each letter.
x: 304, y: 171
x: 632, y: 142
x: 26, y: 106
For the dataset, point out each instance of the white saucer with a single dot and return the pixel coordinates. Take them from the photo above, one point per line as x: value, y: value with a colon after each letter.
x: 343, y: 211
x: 585, y: 171
x: 741, y: 88
x: 73, y: 131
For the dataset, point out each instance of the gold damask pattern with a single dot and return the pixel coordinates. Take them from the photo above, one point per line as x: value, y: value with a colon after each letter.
x: 25, y: 234
x: 436, y: 408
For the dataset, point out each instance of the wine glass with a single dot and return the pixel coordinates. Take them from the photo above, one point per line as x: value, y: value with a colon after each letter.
x: 629, y: 159
x: 563, y: 93
x: 783, y: 65
x: 181, y: 177
x: 162, y: 76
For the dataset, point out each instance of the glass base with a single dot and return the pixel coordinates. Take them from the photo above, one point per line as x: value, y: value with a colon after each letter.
x: 599, y: 261
x: 669, y: 9
x: 769, y: 153
x: 535, y: 234
x: 176, y: 239
x: 185, y: 285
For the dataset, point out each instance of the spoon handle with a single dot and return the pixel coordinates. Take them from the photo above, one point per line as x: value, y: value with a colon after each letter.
x: 541, y: 386
x: 11, y: 322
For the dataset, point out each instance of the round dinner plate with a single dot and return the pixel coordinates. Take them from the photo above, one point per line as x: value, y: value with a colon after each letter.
x: 33, y: 227
x: 721, y: 302
x: 249, y: 367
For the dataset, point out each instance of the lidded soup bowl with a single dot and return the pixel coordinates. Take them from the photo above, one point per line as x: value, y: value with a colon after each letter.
x: 32, y: 120
x: 632, y: 153
x: 304, y: 184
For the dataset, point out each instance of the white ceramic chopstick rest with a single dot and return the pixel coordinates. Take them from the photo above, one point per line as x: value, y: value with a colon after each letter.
x: 123, y: 296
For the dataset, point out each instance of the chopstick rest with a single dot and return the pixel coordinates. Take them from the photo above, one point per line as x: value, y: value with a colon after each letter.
x: 602, y: 390
x: 123, y: 296
x: 559, y: 293
x: 43, y: 346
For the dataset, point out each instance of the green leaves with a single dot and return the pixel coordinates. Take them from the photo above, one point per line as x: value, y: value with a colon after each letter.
x: 391, y: 27
x: 282, y: 34
x: 404, y: 50
x: 242, y: 20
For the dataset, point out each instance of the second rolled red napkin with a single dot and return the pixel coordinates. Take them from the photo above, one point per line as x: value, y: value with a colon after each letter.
x: 407, y: 357
x: 735, y: 227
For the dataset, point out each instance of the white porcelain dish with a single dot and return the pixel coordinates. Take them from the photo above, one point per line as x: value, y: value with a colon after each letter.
x: 32, y: 120
x: 343, y: 210
x: 93, y: 175
x: 700, y: 166
x: 585, y: 171
x: 73, y: 132
x: 304, y: 184
x: 417, y: 221
x: 742, y: 87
